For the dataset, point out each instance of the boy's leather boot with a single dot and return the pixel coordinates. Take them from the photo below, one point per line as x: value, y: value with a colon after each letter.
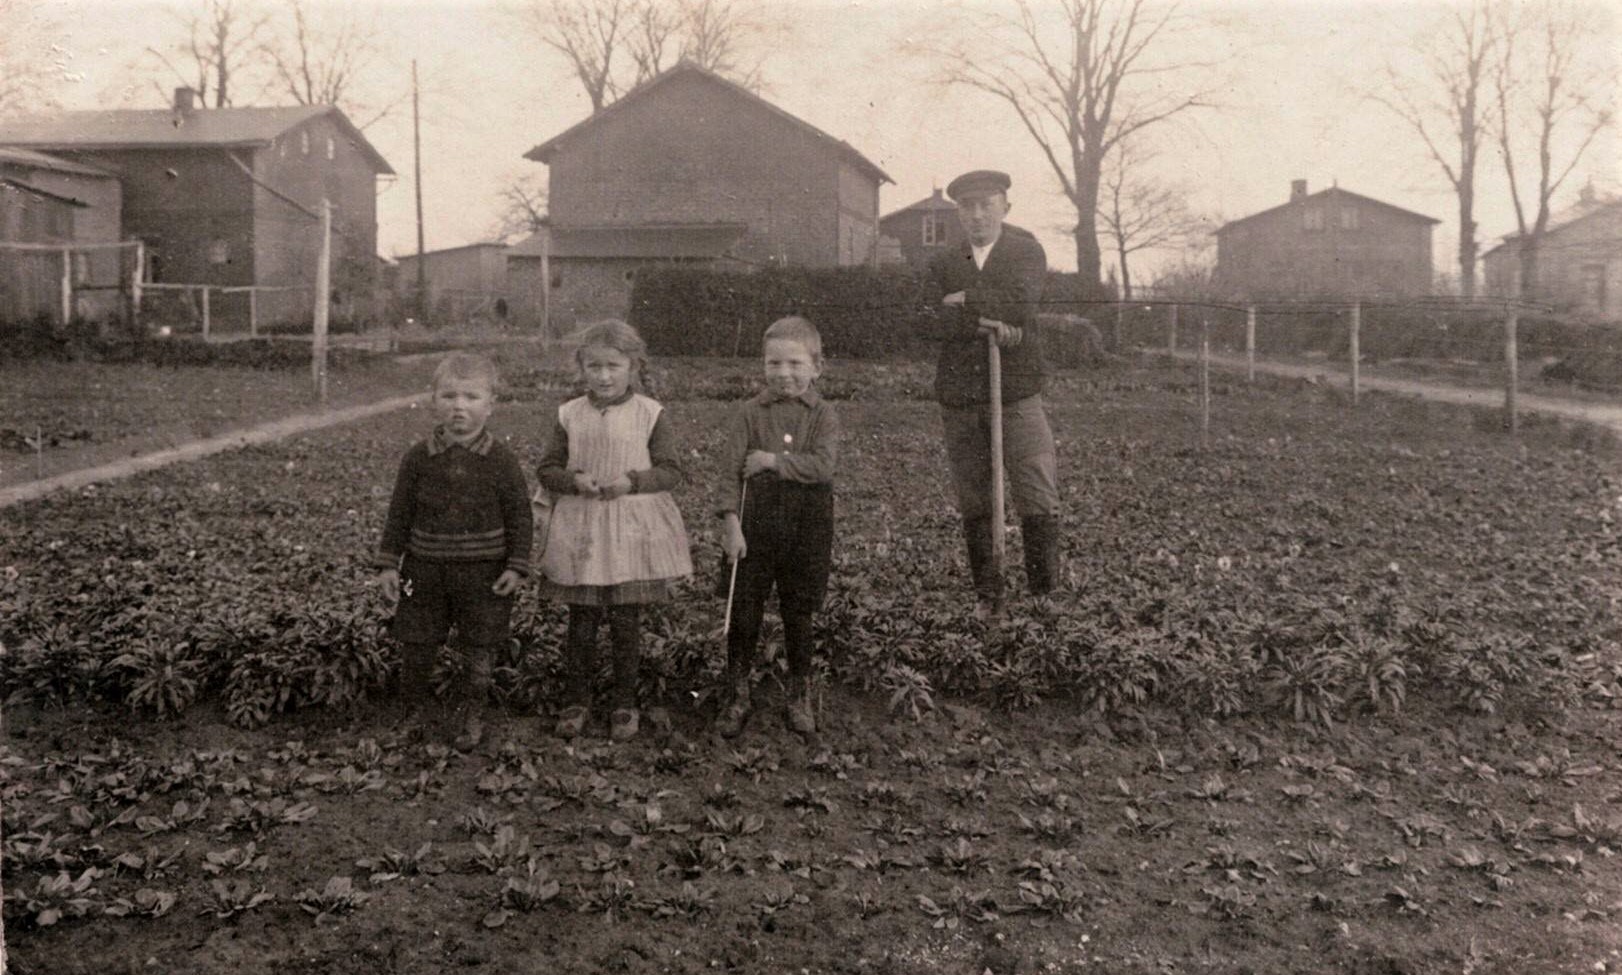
x: 1041, y: 536
x: 988, y: 592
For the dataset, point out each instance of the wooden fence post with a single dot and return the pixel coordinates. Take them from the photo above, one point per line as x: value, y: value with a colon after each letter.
x: 67, y: 285
x: 1250, y: 343
x: 1120, y: 309
x: 1171, y: 333
x: 1205, y: 382
x: 205, y: 312
x: 1357, y: 325
x: 136, y: 280
x: 253, y: 312
x: 323, y: 298
x: 1512, y: 368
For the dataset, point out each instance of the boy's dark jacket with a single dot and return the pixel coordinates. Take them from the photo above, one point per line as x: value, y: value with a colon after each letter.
x: 1008, y: 290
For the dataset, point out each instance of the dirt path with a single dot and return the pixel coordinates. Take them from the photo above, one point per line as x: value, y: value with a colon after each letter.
x: 1602, y: 414
x: 263, y: 433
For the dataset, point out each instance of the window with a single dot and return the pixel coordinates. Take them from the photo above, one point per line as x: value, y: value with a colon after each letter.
x: 1593, y: 285
x: 557, y: 280
x: 934, y: 230
x: 1312, y: 218
x: 304, y: 142
x: 219, y: 251
x: 1348, y: 218
x: 330, y: 147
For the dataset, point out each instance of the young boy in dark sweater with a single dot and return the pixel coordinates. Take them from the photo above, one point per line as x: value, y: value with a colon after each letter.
x: 457, y: 541
x: 778, y: 522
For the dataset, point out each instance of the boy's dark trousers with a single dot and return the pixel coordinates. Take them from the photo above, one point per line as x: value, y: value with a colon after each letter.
x: 434, y: 597
x: 788, y: 527
x: 625, y: 629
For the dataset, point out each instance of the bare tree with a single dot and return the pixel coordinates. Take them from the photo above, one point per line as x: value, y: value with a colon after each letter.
x: 715, y: 34
x: 523, y: 206
x: 1138, y: 212
x: 28, y: 62
x: 221, y: 41
x: 1079, y: 87
x: 1447, y: 104
x: 612, y: 46
x: 321, y: 63
x: 1549, y: 92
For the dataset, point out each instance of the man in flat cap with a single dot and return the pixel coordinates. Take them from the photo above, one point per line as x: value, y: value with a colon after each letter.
x: 990, y: 284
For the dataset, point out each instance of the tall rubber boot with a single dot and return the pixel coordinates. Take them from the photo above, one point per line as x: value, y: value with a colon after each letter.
x: 988, y: 583
x: 1041, y: 534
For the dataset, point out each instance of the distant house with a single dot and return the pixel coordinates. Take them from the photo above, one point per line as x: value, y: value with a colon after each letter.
x: 46, y: 199
x: 1579, y: 261
x: 692, y: 167
x: 470, y: 280
x: 924, y: 229
x: 1333, y: 242
x: 219, y: 194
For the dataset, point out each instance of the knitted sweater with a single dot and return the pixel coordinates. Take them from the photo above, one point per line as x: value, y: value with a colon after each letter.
x: 459, y: 503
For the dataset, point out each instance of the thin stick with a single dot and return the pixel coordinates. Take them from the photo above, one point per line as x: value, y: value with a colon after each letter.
x: 732, y: 586
x: 999, y: 543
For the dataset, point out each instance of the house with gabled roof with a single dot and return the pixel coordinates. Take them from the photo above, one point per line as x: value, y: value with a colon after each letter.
x: 694, y: 168
x: 924, y: 229
x: 1330, y: 243
x: 1579, y: 260
x: 224, y: 196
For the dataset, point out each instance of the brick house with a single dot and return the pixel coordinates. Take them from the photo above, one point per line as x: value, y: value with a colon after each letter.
x: 209, y: 191
x: 1579, y: 262
x: 46, y: 199
x: 692, y: 167
x: 1333, y: 242
x: 924, y: 229
x: 465, y: 281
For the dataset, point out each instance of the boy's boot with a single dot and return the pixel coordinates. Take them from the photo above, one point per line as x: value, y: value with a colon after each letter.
x: 478, y: 692
x: 799, y: 716
x: 416, y: 690
x: 988, y: 593
x: 625, y: 626
x: 1041, y: 535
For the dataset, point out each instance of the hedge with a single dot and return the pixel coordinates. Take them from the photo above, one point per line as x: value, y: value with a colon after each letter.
x: 862, y: 312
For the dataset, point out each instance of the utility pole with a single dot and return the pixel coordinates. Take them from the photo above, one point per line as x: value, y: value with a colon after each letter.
x: 416, y: 152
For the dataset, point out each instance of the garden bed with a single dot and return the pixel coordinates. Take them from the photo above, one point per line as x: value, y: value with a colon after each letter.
x: 1334, y: 694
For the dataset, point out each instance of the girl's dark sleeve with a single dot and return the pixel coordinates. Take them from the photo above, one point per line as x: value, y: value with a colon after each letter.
x: 553, y: 471
x: 517, y: 520
x: 666, y: 474
x: 402, y: 505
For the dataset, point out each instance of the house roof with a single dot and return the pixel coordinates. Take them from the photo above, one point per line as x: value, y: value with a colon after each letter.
x: 1570, y: 218
x: 36, y: 191
x: 646, y: 241
x: 168, y: 129
x: 451, y: 250
x: 684, y: 69
x: 38, y: 160
x: 935, y: 201
x: 1334, y: 191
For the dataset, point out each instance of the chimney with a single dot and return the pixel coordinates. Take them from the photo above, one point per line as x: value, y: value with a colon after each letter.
x: 1298, y: 189
x: 184, y: 99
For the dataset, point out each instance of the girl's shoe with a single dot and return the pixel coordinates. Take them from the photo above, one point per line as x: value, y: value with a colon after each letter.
x: 799, y: 716
x: 571, y: 722
x: 623, y: 724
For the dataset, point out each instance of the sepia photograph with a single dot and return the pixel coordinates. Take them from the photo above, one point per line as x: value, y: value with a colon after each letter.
x: 981, y: 487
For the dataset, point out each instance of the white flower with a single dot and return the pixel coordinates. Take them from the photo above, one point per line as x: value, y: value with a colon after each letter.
x: 1224, y: 563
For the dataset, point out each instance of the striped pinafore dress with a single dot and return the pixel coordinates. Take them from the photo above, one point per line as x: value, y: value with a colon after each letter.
x: 629, y: 549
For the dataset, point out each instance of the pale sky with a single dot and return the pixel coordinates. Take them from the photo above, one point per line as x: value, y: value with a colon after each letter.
x: 1294, y: 81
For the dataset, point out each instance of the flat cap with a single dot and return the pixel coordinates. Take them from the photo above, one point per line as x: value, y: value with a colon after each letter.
x: 978, y: 181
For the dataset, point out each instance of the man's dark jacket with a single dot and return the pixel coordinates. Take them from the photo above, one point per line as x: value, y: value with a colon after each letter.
x: 1007, y: 289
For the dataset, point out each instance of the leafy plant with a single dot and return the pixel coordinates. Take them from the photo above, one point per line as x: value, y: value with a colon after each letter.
x: 233, y: 897
x: 54, y: 898
x: 339, y: 896
x: 146, y: 902
x: 909, y: 691
x: 528, y: 893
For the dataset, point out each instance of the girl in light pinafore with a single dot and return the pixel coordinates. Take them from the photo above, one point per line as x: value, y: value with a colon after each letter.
x: 615, y: 539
